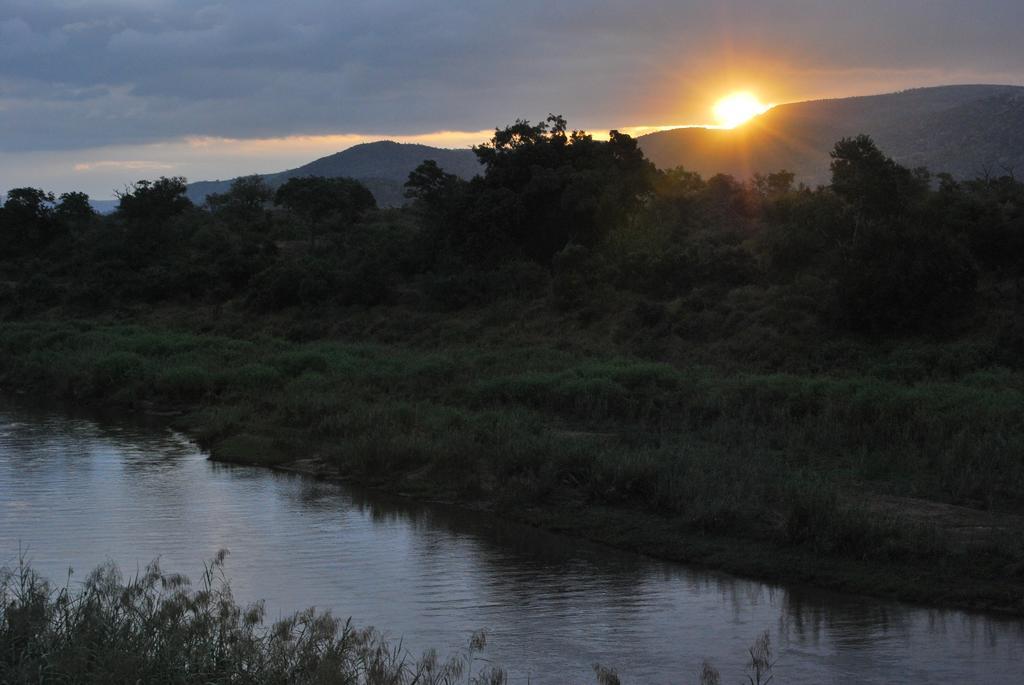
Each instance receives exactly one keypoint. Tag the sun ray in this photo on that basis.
(738, 108)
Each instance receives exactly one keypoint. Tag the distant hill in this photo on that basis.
(963, 130)
(383, 167)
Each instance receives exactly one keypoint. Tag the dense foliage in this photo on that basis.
(156, 628)
(882, 250)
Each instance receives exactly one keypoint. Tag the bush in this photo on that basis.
(118, 369)
(183, 383)
(296, 362)
(154, 628)
(39, 290)
(292, 284)
(904, 278)
(579, 276)
(254, 377)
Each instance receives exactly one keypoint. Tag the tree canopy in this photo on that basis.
(318, 199)
(882, 250)
(152, 202)
(543, 188)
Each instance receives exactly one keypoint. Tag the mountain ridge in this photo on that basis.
(966, 130)
(383, 166)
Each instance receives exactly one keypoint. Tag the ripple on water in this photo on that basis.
(78, 492)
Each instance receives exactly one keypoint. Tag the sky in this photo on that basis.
(95, 94)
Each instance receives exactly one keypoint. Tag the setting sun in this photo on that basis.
(738, 108)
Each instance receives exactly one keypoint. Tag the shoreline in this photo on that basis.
(637, 532)
(634, 531)
(680, 464)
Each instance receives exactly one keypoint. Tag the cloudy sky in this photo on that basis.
(96, 93)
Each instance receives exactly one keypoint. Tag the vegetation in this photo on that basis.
(817, 384)
(156, 628)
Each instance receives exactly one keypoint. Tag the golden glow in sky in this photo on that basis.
(101, 171)
(737, 108)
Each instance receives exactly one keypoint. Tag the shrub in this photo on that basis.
(183, 383)
(898, 277)
(118, 369)
(154, 628)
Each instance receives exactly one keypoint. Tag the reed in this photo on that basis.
(156, 627)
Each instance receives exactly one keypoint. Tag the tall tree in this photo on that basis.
(244, 200)
(557, 187)
(74, 209)
(874, 184)
(26, 221)
(153, 201)
(325, 203)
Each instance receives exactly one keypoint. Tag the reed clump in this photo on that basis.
(155, 627)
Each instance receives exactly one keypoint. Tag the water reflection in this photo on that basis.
(80, 491)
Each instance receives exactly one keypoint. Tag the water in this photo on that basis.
(78, 492)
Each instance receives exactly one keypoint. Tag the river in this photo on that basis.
(78, 491)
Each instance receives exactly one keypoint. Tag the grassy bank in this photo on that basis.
(830, 479)
(156, 627)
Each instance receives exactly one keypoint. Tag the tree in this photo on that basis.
(557, 187)
(244, 200)
(875, 185)
(26, 220)
(430, 185)
(74, 209)
(318, 200)
(29, 203)
(153, 201)
(775, 185)
(990, 213)
(900, 277)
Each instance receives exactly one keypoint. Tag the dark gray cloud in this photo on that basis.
(78, 73)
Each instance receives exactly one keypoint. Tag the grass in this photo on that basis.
(156, 627)
(785, 467)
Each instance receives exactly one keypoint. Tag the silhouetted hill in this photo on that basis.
(383, 166)
(963, 130)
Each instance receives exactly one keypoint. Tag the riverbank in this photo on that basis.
(157, 626)
(671, 539)
(829, 480)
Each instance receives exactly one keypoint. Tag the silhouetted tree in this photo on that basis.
(153, 201)
(542, 188)
(27, 221)
(875, 185)
(430, 184)
(29, 204)
(74, 209)
(775, 184)
(244, 200)
(325, 203)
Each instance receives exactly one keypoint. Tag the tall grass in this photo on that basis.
(155, 627)
(786, 458)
